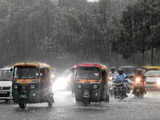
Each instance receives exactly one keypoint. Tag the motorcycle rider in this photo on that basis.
(113, 70)
(139, 76)
(113, 73)
(122, 76)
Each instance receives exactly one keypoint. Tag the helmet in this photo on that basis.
(139, 71)
(120, 71)
(113, 69)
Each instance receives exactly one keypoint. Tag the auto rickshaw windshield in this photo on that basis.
(88, 73)
(26, 72)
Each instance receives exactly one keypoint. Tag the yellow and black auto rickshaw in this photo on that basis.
(32, 84)
(90, 83)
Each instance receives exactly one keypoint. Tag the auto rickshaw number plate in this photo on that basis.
(26, 81)
(137, 90)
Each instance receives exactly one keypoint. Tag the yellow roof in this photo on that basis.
(151, 67)
(41, 65)
(104, 67)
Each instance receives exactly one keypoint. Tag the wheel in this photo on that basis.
(50, 101)
(107, 98)
(86, 102)
(116, 94)
(22, 105)
(50, 104)
(7, 101)
(77, 100)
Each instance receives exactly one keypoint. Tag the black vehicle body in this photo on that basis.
(139, 86)
(119, 90)
(139, 91)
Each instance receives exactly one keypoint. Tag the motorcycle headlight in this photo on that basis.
(138, 80)
(110, 78)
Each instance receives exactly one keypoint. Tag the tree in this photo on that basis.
(140, 22)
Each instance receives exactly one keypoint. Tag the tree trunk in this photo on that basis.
(143, 55)
(152, 55)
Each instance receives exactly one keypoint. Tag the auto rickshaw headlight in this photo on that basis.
(34, 94)
(33, 86)
(95, 86)
(79, 86)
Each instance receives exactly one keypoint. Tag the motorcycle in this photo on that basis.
(119, 89)
(138, 88)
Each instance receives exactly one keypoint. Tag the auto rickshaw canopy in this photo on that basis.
(39, 65)
(151, 67)
(100, 66)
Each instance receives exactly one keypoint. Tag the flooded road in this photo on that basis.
(65, 108)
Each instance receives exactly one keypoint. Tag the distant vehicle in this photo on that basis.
(152, 79)
(5, 84)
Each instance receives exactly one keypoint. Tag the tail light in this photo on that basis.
(158, 83)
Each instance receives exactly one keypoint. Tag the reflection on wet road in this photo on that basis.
(65, 108)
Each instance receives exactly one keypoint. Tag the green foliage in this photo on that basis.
(71, 31)
(140, 28)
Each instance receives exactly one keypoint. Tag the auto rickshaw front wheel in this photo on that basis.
(7, 101)
(50, 104)
(50, 101)
(107, 98)
(86, 102)
(22, 105)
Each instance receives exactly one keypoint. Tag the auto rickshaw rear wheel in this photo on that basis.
(50, 104)
(7, 101)
(86, 102)
(22, 105)
(50, 101)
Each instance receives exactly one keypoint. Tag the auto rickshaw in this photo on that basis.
(90, 83)
(32, 84)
